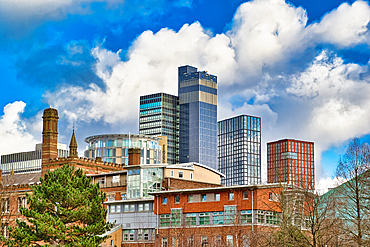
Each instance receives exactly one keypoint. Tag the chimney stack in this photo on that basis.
(50, 135)
(134, 156)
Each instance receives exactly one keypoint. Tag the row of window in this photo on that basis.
(205, 241)
(5, 204)
(229, 216)
(138, 235)
(130, 208)
(206, 197)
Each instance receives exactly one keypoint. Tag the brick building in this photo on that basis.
(222, 216)
(291, 161)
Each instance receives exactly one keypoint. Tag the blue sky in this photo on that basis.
(303, 66)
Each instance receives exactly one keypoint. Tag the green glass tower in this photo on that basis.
(159, 116)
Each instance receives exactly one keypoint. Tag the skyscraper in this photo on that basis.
(198, 116)
(291, 161)
(239, 150)
(159, 116)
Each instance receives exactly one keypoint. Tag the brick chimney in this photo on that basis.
(50, 134)
(134, 156)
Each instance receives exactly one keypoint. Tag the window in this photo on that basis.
(191, 219)
(231, 196)
(131, 235)
(127, 206)
(146, 234)
(260, 216)
(141, 207)
(22, 202)
(204, 219)
(271, 218)
(111, 242)
(191, 241)
(190, 198)
(246, 216)
(230, 214)
(245, 241)
(177, 199)
(218, 240)
(229, 240)
(146, 207)
(204, 241)
(112, 208)
(273, 197)
(172, 173)
(140, 234)
(164, 200)
(204, 197)
(110, 198)
(176, 214)
(217, 197)
(125, 235)
(181, 174)
(164, 220)
(101, 181)
(174, 242)
(118, 208)
(217, 218)
(191, 176)
(245, 195)
(5, 205)
(115, 179)
(164, 242)
(132, 208)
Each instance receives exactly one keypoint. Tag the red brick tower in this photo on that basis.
(50, 135)
(73, 146)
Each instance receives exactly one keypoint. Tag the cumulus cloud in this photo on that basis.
(327, 183)
(268, 58)
(13, 131)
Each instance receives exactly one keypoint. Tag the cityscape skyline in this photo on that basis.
(304, 72)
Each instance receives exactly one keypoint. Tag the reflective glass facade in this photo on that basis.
(291, 161)
(114, 148)
(198, 116)
(143, 180)
(159, 116)
(239, 150)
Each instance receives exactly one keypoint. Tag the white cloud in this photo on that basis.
(327, 183)
(345, 26)
(13, 131)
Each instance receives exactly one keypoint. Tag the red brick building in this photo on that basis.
(220, 216)
(291, 161)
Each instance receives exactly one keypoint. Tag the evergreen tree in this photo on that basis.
(64, 210)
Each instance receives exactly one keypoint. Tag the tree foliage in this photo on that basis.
(65, 210)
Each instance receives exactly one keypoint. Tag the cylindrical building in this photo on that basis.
(114, 148)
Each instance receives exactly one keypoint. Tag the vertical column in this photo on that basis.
(49, 134)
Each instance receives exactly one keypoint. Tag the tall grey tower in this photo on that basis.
(198, 116)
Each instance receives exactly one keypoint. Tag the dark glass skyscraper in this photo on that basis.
(159, 116)
(198, 116)
(239, 150)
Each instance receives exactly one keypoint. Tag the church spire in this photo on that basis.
(73, 145)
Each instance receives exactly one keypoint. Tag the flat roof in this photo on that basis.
(115, 136)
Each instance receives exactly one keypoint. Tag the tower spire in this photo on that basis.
(73, 145)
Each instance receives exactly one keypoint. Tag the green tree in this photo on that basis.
(64, 210)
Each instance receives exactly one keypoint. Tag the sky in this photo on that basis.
(302, 66)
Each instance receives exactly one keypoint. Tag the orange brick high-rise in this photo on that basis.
(291, 161)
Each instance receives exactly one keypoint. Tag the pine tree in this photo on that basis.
(64, 210)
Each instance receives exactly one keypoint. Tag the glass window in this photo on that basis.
(190, 198)
(112, 208)
(164, 242)
(176, 214)
(132, 208)
(164, 200)
(177, 199)
(125, 235)
(204, 241)
(204, 219)
(132, 235)
(191, 219)
(218, 240)
(229, 240)
(141, 207)
(246, 216)
(230, 214)
(164, 220)
(181, 174)
(231, 196)
(217, 218)
(245, 195)
(146, 206)
(217, 197)
(127, 206)
(191, 176)
(172, 173)
(118, 208)
(204, 197)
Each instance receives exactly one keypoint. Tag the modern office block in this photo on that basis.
(28, 162)
(114, 148)
(291, 161)
(239, 150)
(159, 116)
(198, 116)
